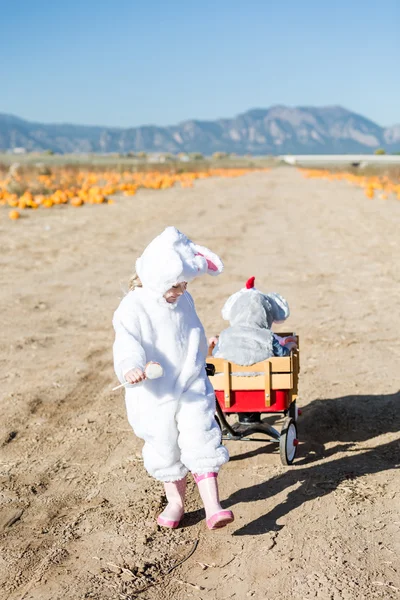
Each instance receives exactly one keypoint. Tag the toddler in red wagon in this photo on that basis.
(249, 339)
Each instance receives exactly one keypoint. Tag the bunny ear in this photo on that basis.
(214, 263)
(280, 307)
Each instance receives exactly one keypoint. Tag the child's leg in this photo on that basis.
(153, 420)
(216, 516)
(201, 448)
(173, 512)
(199, 435)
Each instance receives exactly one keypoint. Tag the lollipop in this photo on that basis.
(152, 370)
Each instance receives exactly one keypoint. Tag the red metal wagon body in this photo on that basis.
(254, 401)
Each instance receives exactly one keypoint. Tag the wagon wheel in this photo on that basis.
(293, 411)
(288, 441)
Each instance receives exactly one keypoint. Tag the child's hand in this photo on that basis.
(285, 340)
(213, 341)
(291, 346)
(135, 376)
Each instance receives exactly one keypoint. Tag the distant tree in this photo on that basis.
(380, 151)
(142, 154)
(48, 152)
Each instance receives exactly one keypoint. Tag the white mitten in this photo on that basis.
(153, 370)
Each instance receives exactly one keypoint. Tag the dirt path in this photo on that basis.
(77, 508)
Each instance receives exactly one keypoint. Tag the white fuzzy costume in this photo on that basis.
(174, 415)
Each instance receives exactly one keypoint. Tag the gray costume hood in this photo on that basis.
(250, 313)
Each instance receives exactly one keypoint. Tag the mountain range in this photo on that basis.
(276, 130)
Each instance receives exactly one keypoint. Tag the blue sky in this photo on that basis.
(129, 63)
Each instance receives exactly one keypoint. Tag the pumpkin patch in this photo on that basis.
(382, 186)
(28, 189)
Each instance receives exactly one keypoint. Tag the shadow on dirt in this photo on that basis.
(347, 420)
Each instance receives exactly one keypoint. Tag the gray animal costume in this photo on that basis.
(249, 338)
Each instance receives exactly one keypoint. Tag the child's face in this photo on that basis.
(173, 293)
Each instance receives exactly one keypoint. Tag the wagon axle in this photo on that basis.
(287, 438)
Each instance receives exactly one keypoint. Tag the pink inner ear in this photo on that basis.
(210, 264)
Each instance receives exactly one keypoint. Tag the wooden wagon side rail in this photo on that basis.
(276, 373)
(276, 376)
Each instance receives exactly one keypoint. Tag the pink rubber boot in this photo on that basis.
(216, 516)
(173, 512)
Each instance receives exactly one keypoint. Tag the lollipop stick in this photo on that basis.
(120, 386)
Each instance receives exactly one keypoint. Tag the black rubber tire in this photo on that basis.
(287, 454)
(292, 411)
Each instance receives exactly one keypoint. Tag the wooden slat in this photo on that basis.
(278, 373)
(227, 383)
(279, 381)
(278, 365)
(267, 385)
(296, 369)
(217, 362)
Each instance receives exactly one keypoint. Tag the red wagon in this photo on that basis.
(270, 386)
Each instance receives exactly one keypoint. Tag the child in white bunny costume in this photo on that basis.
(174, 414)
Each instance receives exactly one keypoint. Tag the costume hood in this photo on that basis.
(172, 258)
(250, 313)
(252, 307)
